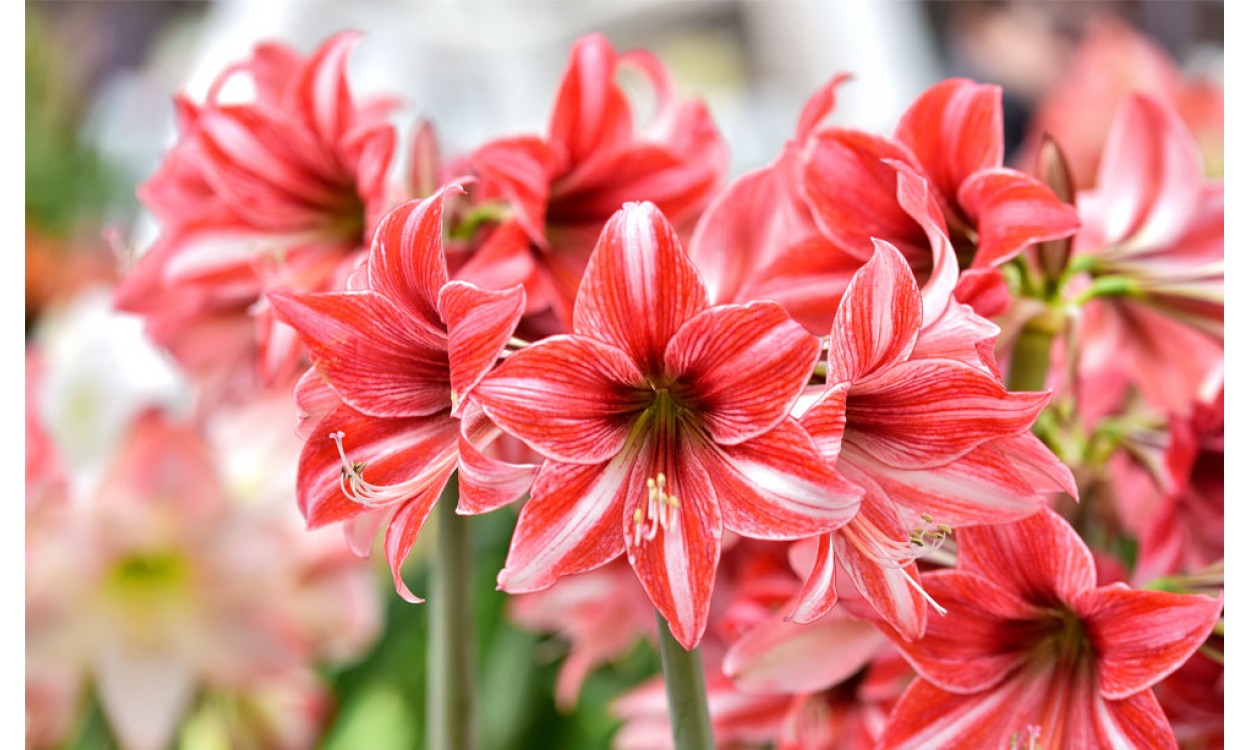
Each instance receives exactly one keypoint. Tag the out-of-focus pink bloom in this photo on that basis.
(1153, 237)
(798, 229)
(46, 481)
(664, 421)
(159, 585)
(278, 192)
(738, 719)
(1168, 488)
(1193, 700)
(1030, 647)
(1113, 62)
(394, 367)
(561, 189)
(915, 413)
(602, 613)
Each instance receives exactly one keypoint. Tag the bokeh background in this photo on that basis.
(99, 79)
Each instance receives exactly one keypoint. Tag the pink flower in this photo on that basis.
(561, 189)
(1031, 647)
(664, 421)
(1153, 237)
(915, 412)
(797, 230)
(1113, 62)
(394, 365)
(738, 719)
(278, 192)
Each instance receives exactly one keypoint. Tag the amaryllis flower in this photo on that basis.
(276, 192)
(795, 231)
(397, 361)
(1031, 647)
(664, 420)
(161, 585)
(915, 413)
(1153, 241)
(738, 719)
(562, 188)
(1115, 60)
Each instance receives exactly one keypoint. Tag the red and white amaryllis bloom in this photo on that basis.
(276, 192)
(1030, 647)
(664, 420)
(398, 360)
(561, 189)
(1153, 240)
(798, 229)
(915, 413)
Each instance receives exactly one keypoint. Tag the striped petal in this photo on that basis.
(955, 128)
(741, 368)
(1040, 558)
(479, 324)
(1011, 211)
(879, 318)
(406, 261)
(639, 287)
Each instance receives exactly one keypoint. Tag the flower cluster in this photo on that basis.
(776, 411)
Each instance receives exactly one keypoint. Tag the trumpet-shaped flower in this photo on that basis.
(276, 192)
(562, 188)
(1032, 648)
(664, 420)
(397, 362)
(915, 413)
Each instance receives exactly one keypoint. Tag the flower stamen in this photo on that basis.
(358, 490)
(659, 512)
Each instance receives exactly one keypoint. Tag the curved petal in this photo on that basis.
(407, 454)
(591, 112)
(370, 352)
(778, 486)
(677, 566)
(487, 483)
(571, 523)
(879, 318)
(521, 169)
(818, 106)
(404, 527)
(639, 287)
(570, 398)
(954, 128)
(786, 657)
(740, 368)
(1011, 211)
(929, 412)
(918, 200)
(985, 635)
(1040, 558)
(1143, 636)
(406, 261)
(325, 101)
(825, 421)
(819, 593)
(479, 324)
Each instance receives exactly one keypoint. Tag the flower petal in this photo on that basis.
(571, 523)
(406, 261)
(926, 413)
(1040, 558)
(1011, 211)
(404, 527)
(786, 657)
(741, 368)
(778, 486)
(411, 453)
(591, 112)
(479, 324)
(639, 286)
(954, 128)
(879, 317)
(920, 203)
(819, 593)
(678, 566)
(487, 483)
(1143, 636)
(521, 170)
(371, 353)
(570, 398)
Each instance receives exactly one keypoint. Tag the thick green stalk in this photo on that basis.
(687, 694)
(1030, 359)
(449, 663)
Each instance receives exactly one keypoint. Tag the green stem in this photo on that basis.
(1030, 360)
(449, 686)
(687, 695)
